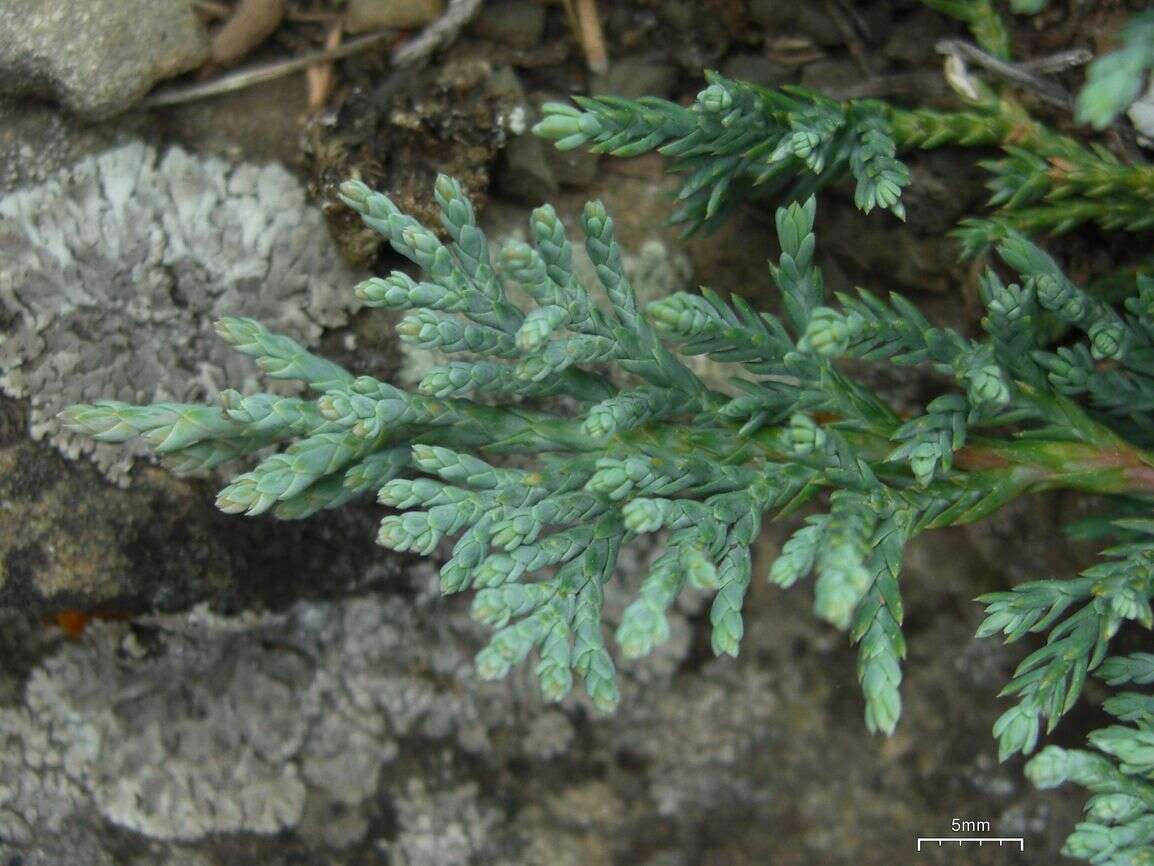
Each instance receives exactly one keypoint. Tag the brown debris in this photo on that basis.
(250, 24)
(592, 36)
(398, 130)
(319, 79)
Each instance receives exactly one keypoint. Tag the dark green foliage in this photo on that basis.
(738, 137)
(739, 140)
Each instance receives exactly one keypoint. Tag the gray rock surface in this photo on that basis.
(115, 270)
(196, 725)
(516, 23)
(356, 732)
(634, 78)
(186, 727)
(366, 15)
(71, 541)
(39, 140)
(757, 69)
(98, 57)
(525, 173)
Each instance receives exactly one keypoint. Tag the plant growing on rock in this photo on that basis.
(596, 464)
(668, 452)
(739, 139)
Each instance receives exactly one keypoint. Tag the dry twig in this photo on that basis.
(1020, 74)
(438, 34)
(253, 75)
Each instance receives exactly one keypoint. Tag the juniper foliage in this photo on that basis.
(739, 137)
(1092, 390)
(670, 454)
(527, 467)
(1119, 821)
(1115, 79)
(739, 140)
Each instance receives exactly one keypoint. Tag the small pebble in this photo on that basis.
(518, 24)
(366, 15)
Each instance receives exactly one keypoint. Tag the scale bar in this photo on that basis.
(962, 840)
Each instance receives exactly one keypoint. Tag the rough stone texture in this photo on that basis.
(575, 168)
(524, 172)
(115, 270)
(872, 244)
(100, 56)
(757, 69)
(440, 826)
(39, 140)
(73, 845)
(197, 725)
(68, 540)
(355, 732)
(263, 123)
(183, 727)
(516, 23)
(532, 170)
(635, 78)
(365, 15)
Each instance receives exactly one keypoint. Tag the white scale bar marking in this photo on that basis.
(1020, 842)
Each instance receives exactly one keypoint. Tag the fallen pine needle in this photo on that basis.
(320, 77)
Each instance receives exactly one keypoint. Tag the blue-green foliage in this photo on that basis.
(1118, 829)
(738, 138)
(739, 141)
(1094, 389)
(1114, 80)
(1079, 616)
(659, 450)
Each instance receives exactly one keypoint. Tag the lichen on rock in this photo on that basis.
(114, 271)
(443, 826)
(176, 746)
(187, 726)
